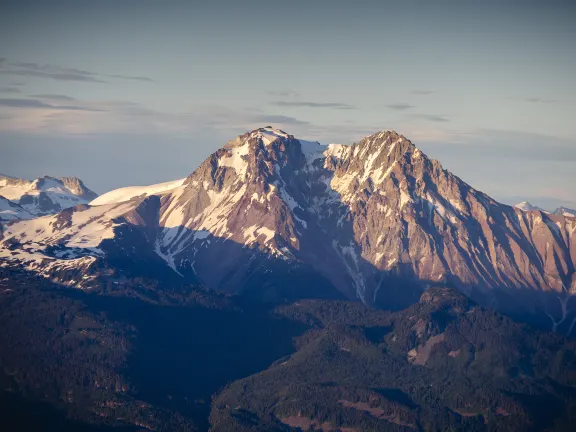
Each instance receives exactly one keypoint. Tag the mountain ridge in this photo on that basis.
(377, 220)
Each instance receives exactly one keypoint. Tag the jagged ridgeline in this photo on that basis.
(273, 217)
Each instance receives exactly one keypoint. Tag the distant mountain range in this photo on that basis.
(562, 211)
(273, 217)
(25, 199)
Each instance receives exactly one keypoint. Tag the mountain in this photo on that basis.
(281, 218)
(564, 211)
(45, 195)
(526, 206)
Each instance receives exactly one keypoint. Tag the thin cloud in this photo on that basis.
(284, 93)
(60, 73)
(54, 97)
(423, 92)
(9, 90)
(400, 106)
(430, 117)
(129, 77)
(38, 104)
(333, 105)
(278, 119)
(539, 100)
(55, 75)
(506, 144)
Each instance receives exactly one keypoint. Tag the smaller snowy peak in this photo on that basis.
(12, 181)
(527, 206)
(565, 211)
(129, 192)
(15, 188)
(45, 195)
(77, 187)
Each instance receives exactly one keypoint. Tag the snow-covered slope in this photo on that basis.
(11, 211)
(127, 193)
(82, 244)
(45, 195)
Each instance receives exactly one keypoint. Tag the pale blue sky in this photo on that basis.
(136, 92)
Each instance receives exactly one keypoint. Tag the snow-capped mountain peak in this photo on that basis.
(527, 206)
(45, 195)
(565, 211)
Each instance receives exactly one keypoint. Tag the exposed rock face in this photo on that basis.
(379, 221)
(45, 195)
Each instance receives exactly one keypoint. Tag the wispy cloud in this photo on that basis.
(50, 115)
(423, 92)
(539, 100)
(9, 90)
(278, 119)
(54, 97)
(400, 106)
(48, 71)
(504, 145)
(283, 93)
(129, 77)
(304, 104)
(58, 73)
(430, 117)
(38, 104)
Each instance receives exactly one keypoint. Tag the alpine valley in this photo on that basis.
(287, 285)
